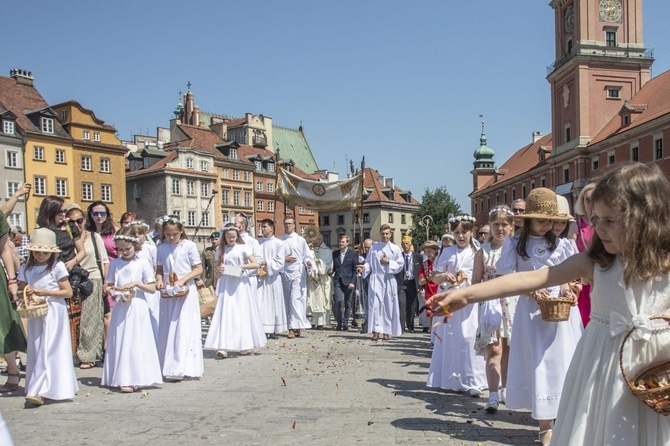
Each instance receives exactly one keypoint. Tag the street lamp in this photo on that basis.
(426, 221)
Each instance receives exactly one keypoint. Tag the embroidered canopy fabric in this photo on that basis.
(322, 196)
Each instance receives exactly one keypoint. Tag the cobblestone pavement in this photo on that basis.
(325, 388)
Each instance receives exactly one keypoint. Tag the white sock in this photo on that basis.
(493, 396)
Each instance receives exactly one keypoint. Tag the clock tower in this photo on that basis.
(600, 62)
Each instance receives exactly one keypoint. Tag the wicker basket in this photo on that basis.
(556, 309)
(31, 308)
(124, 294)
(172, 290)
(651, 385)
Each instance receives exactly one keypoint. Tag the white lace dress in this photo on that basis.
(597, 408)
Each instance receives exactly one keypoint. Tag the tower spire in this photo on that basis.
(484, 154)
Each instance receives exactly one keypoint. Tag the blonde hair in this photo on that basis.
(579, 205)
(638, 193)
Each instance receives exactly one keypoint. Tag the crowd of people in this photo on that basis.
(129, 299)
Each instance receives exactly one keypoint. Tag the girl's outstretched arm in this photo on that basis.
(576, 266)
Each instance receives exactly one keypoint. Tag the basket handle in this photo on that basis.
(27, 290)
(623, 343)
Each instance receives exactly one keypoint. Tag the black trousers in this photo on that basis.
(407, 300)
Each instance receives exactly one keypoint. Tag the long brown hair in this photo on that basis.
(639, 193)
(525, 235)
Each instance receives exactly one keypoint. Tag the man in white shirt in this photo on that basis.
(298, 259)
(270, 288)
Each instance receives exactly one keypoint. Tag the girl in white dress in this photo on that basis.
(454, 365)
(50, 371)
(540, 351)
(147, 250)
(236, 325)
(493, 342)
(131, 360)
(179, 327)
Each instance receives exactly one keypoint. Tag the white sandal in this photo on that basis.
(543, 433)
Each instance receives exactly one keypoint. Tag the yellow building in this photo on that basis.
(98, 158)
(47, 150)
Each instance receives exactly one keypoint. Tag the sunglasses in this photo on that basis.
(78, 221)
(62, 211)
(99, 214)
(483, 233)
(518, 211)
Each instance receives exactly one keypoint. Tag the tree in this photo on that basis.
(440, 205)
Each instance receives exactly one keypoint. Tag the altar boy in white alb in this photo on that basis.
(381, 264)
(298, 259)
(270, 288)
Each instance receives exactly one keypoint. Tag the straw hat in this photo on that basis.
(542, 204)
(43, 240)
(564, 207)
(430, 244)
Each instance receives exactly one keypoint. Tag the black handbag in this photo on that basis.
(82, 287)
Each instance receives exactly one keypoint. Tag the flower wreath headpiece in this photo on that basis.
(127, 238)
(138, 222)
(172, 219)
(464, 217)
(500, 209)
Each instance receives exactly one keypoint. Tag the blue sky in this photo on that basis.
(402, 83)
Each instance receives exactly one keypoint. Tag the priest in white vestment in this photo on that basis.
(319, 285)
(270, 288)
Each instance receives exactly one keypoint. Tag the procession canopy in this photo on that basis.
(322, 196)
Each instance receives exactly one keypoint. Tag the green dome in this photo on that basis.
(483, 151)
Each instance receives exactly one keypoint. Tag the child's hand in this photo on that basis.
(539, 294)
(180, 283)
(130, 285)
(37, 292)
(159, 284)
(221, 269)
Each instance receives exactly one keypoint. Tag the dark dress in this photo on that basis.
(11, 329)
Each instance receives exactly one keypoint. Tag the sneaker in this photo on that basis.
(491, 406)
(475, 392)
(222, 354)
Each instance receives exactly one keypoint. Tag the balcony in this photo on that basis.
(259, 141)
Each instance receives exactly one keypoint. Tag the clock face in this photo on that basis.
(569, 19)
(610, 10)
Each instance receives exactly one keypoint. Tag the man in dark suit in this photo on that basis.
(344, 281)
(408, 285)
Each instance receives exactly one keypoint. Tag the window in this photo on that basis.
(247, 199)
(658, 149)
(567, 136)
(287, 209)
(366, 218)
(611, 158)
(225, 197)
(309, 211)
(189, 163)
(302, 209)
(259, 186)
(236, 175)
(271, 187)
(236, 198)
(106, 192)
(177, 214)
(204, 189)
(8, 127)
(205, 219)
(87, 191)
(47, 125)
(271, 167)
(543, 183)
(614, 93)
(12, 159)
(390, 217)
(595, 164)
(191, 218)
(38, 153)
(233, 154)
(635, 154)
(610, 38)
(225, 173)
(60, 156)
(566, 174)
(271, 206)
(258, 165)
(40, 186)
(15, 220)
(63, 115)
(86, 135)
(523, 194)
(340, 219)
(104, 165)
(61, 187)
(12, 187)
(247, 176)
(190, 188)
(96, 136)
(176, 187)
(325, 220)
(403, 219)
(204, 166)
(259, 206)
(86, 163)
